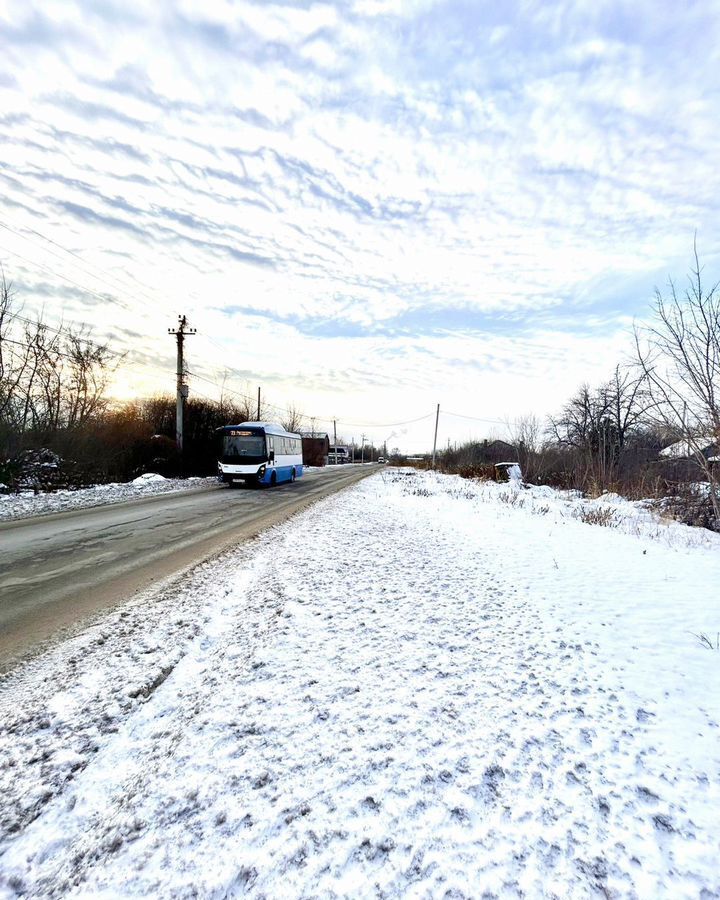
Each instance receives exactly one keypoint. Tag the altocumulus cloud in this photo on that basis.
(473, 197)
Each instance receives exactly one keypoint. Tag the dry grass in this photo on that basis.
(512, 498)
(706, 641)
(600, 515)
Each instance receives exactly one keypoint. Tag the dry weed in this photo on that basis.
(600, 515)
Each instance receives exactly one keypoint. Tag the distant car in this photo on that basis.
(381, 459)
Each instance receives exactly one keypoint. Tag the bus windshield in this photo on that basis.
(236, 444)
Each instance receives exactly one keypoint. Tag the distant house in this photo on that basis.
(685, 450)
(496, 452)
(678, 462)
(315, 448)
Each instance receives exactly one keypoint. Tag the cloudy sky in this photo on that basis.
(366, 206)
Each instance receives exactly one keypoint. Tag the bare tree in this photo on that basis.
(627, 392)
(50, 379)
(597, 424)
(12, 362)
(584, 426)
(22, 353)
(526, 434)
(294, 419)
(679, 355)
(87, 370)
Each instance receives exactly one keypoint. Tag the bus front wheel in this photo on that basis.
(273, 480)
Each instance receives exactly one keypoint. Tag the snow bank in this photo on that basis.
(472, 696)
(149, 478)
(27, 503)
(642, 518)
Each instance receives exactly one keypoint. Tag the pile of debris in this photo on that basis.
(40, 470)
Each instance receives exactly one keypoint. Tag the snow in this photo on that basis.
(477, 694)
(149, 478)
(27, 503)
(514, 473)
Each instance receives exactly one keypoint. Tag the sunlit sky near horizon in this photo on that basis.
(367, 207)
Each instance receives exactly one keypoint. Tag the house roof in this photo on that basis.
(685, 448)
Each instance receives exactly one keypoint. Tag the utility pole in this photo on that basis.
(258, 414)
(182, 391)
(437, 419)
(362, 449)
(335, 441)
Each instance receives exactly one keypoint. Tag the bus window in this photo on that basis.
(243, 445)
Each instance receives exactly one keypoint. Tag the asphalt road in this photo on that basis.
(59, 570)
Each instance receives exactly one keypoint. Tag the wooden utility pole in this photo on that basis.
(362, 449)
(180, 334)
(258, 411)
(335, 441)
(437, 419)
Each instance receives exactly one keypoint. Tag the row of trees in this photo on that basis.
(50, 379)
(53, 395)
(609, 437)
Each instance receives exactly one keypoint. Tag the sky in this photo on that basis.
(367, 207)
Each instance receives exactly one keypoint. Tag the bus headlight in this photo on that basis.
(261, 472)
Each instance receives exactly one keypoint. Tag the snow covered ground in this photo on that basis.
(27, 503)
(420, 687)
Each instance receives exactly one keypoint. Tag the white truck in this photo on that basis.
(339, 456)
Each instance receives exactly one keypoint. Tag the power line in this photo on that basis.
(246, 397)
(125, 364)
(106, 298)
(145, 369)
(327, 419)
(62, 332)
(272, 406)
(385, 424)
(319, 418)
(473, 418)
(250, 400)
(53, 351)
(125, 285)
(112, 299)
(116, 282)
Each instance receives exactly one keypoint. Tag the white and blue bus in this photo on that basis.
(259, 453)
